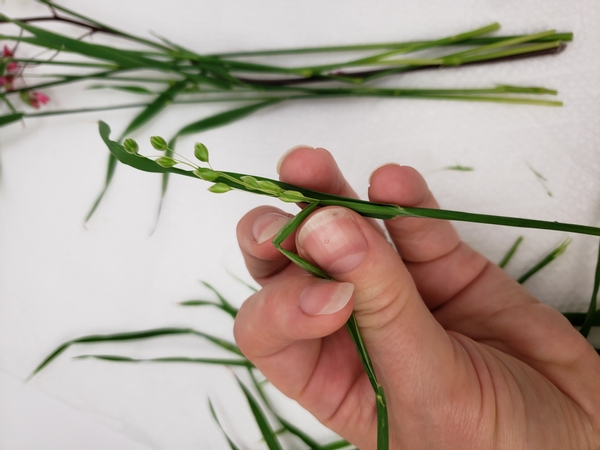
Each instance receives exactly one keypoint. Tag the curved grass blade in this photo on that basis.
(368, 209)
(511, 252)
(267, 432)
(134, 335)
(171, 359)
(545, 261)
(226, 305)
(289, 427)
(232, 446)
(592, 313)
(125, 88)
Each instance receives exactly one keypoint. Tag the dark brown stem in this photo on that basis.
(369, 73)
(57, 18)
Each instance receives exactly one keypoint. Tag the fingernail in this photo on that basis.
(287, 152)
(325, 297)
(333, 240)
(267, 226)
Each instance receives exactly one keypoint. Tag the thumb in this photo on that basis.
(404, 340)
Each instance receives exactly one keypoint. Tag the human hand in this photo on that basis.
(468, 359)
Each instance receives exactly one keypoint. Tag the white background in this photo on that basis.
(60, 279)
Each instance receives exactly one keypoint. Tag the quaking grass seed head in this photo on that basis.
(131, 146)
(201, 152)
(158, 143)
(206, 174)
(166, 162)
(219, 188)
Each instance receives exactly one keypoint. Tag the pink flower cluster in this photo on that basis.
(9, 72)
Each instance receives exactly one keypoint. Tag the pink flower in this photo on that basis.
(12, 67)
(7, 52)
(6, 82)
(34, 99)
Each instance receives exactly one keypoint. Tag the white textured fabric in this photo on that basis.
(60, 280)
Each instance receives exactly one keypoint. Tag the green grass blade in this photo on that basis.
(102, 25)
(226, 305)
(577, 319)
(110, 171)
(171, 359)
(337, 445)
(224, 118)
(134, 335)
(592, 313)
(232, 446)
(511, 252)
(10, 118)
(266, 430)
(368, 209)
(154, 108)
(289, 427)
(545, 261)
(134, 89)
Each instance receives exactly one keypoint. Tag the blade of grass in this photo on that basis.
(369, 209)
(135, 335)
(511, 252)
(171, 359)
(591, 314)
(545, 261)
(10, 118)
(232, 446)
(227, 306)
(289, 427)
(266, 430)
(577, 319)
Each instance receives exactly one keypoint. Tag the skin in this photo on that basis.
(467, 357)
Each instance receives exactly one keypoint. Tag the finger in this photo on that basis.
(255, 232)
(291, 330)
(471, 296)
(313, 168)
(406, 343)
(439, 262)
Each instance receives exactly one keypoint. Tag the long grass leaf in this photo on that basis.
(171, 359)
(232, 446)
(368, 209)
(555, 253)
(10, 118)
(291, 428)
(511, 252)
(267, 432)
(592, 313)
(134, 335)
(111, 166)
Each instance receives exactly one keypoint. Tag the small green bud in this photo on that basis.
(131, 146)
(165, 161)
(206, 174)
(158, 143)
(201, 152)
(270, 187)
(292, 197)
(219, 188)
(250, 182)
